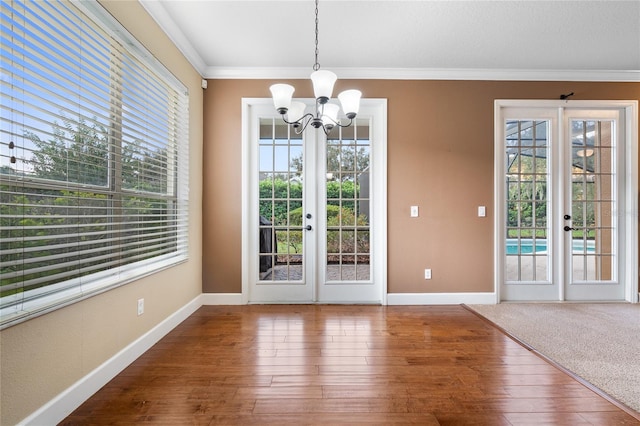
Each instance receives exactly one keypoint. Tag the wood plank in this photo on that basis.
(326, 364)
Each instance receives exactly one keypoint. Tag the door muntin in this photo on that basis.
(347, 256)
(593, 202)
(527, 154)
(330, 185)
(562, 189)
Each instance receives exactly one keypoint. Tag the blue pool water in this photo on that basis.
(526, 246)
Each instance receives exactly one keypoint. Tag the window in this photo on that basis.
(93, 157)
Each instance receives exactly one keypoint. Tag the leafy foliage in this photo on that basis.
(353, 235)
(51, 231)
(144, 169)
(78, 155)
(527, 200)
(278, 197)
(344, 161)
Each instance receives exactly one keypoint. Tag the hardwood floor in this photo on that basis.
(328, 364)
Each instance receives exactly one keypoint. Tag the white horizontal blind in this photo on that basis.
(93, 157)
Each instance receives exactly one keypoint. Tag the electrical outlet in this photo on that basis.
(140, 306)
(414, 211)
(427, 274)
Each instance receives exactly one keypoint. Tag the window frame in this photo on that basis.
(29, 303)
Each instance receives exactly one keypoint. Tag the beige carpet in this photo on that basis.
(600, 342)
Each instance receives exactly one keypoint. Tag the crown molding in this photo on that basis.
(159, 14)
(429, 74)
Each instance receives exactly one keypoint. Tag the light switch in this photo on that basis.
(482, 211)
(414, 211)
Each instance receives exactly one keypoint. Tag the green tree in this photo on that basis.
(345, 192)
(144, 169)
(278, 197)
(77, 153)
(527, 193)
(343, 161)
(347, 159)
(40, 218)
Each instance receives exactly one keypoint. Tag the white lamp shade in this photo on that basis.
(323, 82)
(296, 111)
(330, 114)
(350, 100)
(282, 94)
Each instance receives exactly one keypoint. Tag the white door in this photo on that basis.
(564, 210)
(316, 209)
(594, 179)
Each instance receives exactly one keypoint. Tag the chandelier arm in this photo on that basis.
(299, 129)
(337, 123)
(345, 125)
(302, 123)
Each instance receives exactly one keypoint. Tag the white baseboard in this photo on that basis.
(222, 299)
(71, 398)
(392, 299)
(441, 298)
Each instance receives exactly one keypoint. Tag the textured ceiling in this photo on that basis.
(527, 39)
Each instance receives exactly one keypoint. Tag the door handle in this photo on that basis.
(568, 228)
(308, 228)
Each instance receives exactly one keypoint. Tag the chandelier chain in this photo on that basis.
(326, 114)
(316, 65)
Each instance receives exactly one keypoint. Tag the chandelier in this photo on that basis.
(326, 113)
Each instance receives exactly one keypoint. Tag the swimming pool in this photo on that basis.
(526, 246)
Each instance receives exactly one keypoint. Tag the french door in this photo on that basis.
(564, 221)
(315, 207)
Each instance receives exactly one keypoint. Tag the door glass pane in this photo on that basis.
(348, 203)
(280, 202)
(527, 202)
(592, 200)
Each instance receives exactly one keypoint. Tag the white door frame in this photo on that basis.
(630, 216)
(378, 161)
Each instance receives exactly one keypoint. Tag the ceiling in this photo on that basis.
(418, 39)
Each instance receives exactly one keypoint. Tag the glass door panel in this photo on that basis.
(347, 207)
(280, 203)
(592, 239)
(527, 228)
(347, 273)
(281, 270)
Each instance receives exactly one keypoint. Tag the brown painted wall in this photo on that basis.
(43, 357)
(440, 157)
